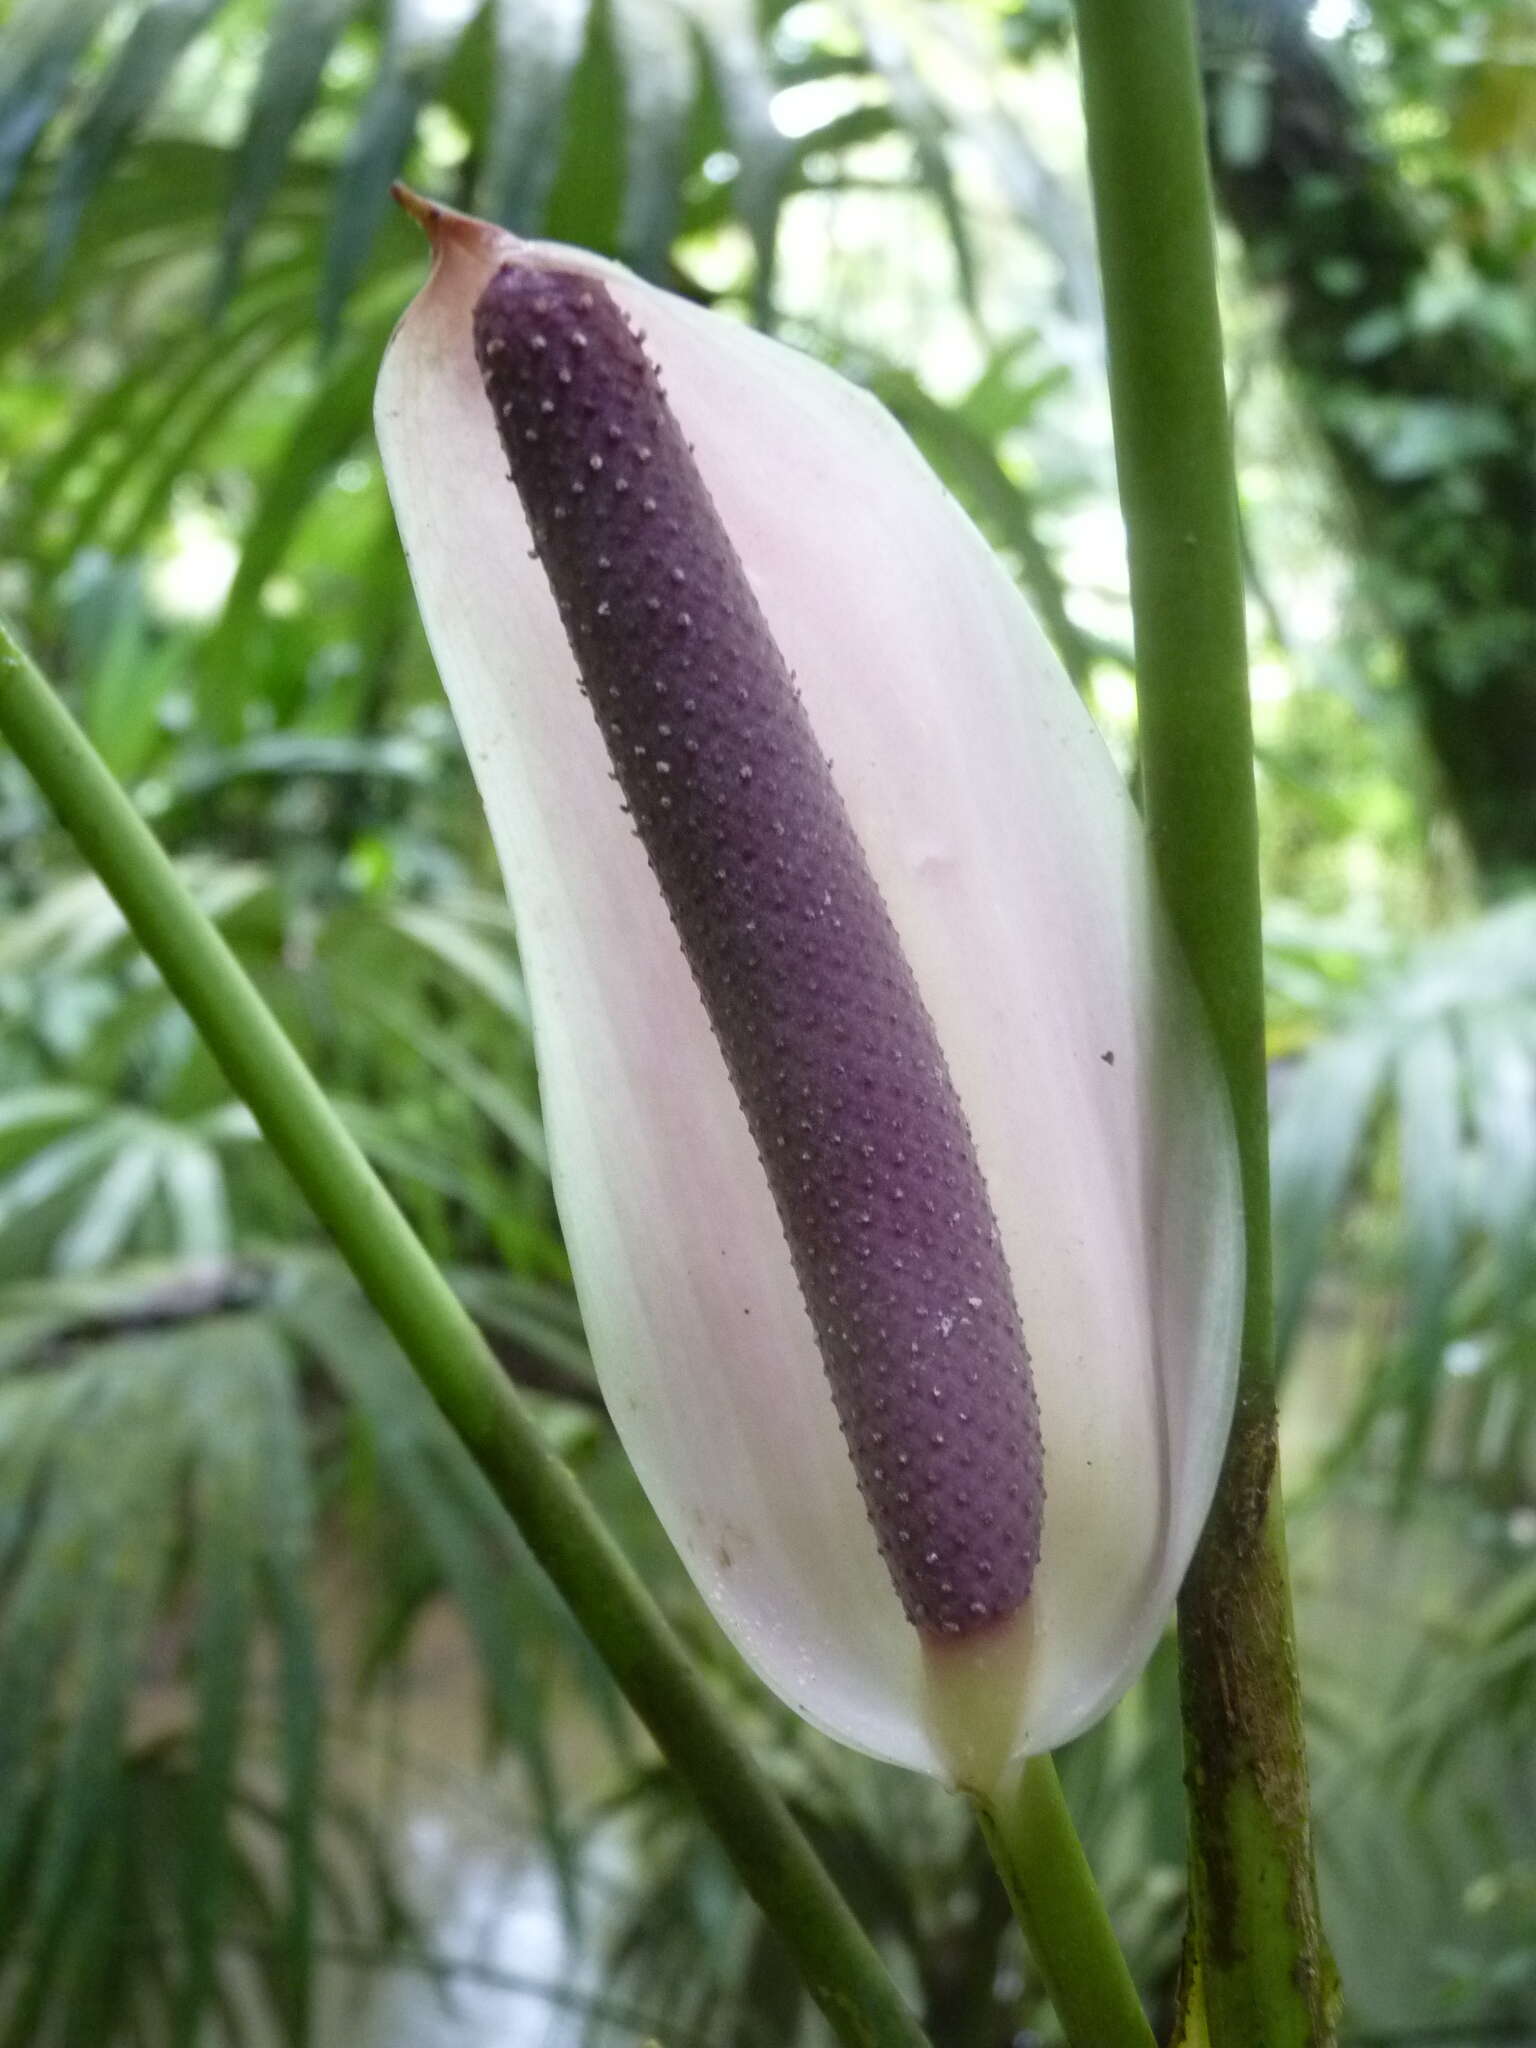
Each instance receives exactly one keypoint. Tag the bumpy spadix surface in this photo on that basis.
(1012, 866)
(861, 1136)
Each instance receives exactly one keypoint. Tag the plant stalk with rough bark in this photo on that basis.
(1256, 1966)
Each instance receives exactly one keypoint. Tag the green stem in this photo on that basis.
(776, 1864)
(1262, 1965)
(1056, 1902)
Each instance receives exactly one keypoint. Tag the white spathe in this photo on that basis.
(1015, 870)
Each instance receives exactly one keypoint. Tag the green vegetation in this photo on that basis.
(238, 1548)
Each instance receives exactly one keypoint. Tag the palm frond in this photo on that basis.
(124, 98)
(164, 1447)
(1440, 1052)
(41, 45)
(437, 1080)
(538, 46)
(419, 40)
(967, 440)
(457, 1521)
(1420, 1727)
(613, 125)
(300, 39)
(130, 1474)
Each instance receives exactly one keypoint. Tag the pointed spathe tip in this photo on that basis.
(440, 224)
(449, 231)
(420, 209)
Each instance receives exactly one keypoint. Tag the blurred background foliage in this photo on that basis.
(295, 1745)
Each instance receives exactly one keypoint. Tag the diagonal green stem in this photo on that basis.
(1056, 1902)
(1257, 1951)
(776, 1864)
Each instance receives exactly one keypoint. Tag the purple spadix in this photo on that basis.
(834, 1057)
(864, 1051)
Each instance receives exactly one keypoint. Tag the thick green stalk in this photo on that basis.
(1262, 1966)
(1056, 1902)
(776, 1864)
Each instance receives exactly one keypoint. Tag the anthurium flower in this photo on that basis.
(893, 1160)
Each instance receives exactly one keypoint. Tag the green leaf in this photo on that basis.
(421, 37)
(730, 36)
(288, 1510)
(38, 52)
(53, 1169)
(1319, 1132)
(39, 1555)
(207, 1466)
(159, 439)
(658, 80)
(108, 1218)
(107, 1530)
(300, 38)
(99, 426)
(240, 371)
(410, 1159)
(455, 1512)
(538, 46)
(227, 1506)
(25, 1109)
(76, 923)
(195, 1193)
(328, 428)
(442, 933)
(126, 95)
(285, 756)
(125, 690)
(1430, 1123)
(922, 119)
(966, 457)
(489, 1093)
